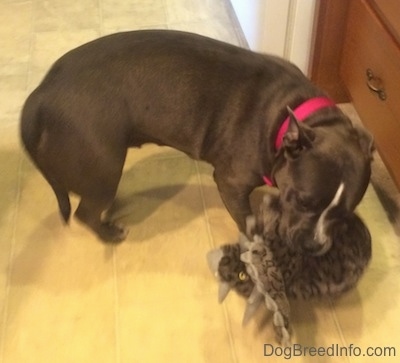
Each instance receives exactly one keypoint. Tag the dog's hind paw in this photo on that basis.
(112, 232)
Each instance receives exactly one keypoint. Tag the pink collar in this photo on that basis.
(301, 112)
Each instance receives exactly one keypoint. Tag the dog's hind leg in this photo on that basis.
(98, 186)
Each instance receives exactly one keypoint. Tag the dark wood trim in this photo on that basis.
(329, 32)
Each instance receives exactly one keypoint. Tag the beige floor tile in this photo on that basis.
(12, 95)
(10, 156)
(16, 24)
(167, 304)
(11, 102)
(160, 201)
(183, 11)
(9, 177)
(386, 244)
(129, 15)
(13, 81)
(222, 30)
(15, 53)
(159, 196)
(71, 16)
(370, 315)
(313, 326)
(19, 14)
(157, 183)
(149, 152)
(174, 329)
(47, 324)
(167, 298)
(127, 27)
(61, 299)
(50, 46)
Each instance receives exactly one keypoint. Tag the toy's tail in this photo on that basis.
(33, 137)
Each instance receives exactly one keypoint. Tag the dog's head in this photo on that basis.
(322, 173)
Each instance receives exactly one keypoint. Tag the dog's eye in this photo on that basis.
(243, 276)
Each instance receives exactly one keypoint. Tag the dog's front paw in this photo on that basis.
(112, 232)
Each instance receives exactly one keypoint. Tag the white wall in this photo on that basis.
(280, 27)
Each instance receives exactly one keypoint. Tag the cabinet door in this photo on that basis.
(389, 12)
(371, 59)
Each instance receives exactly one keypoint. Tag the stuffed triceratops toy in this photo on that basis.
(268, 269)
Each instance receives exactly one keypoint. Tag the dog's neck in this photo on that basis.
(302, 112)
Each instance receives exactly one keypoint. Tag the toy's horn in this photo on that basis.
(223, 291)
(250, 225)
(253, 303)
(213, 259)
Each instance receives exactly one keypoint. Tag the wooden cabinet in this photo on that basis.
(369, 68)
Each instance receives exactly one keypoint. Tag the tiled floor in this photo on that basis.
(66, 297)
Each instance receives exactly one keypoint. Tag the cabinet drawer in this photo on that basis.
(368, 45)
(389, 13)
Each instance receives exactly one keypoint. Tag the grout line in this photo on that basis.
(4, 317)
(228, 326)
(116, 308)
(31, 48)
(101, 17)
(240, 37)
(165, 8)
(212, 243)
(287, 52)
(337, 324)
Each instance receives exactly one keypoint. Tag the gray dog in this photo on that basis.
(215, 102)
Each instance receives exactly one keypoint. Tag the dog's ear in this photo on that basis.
(297, 137)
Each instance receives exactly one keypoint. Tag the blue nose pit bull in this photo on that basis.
(213, 101)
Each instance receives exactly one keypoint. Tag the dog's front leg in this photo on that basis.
(236, 200)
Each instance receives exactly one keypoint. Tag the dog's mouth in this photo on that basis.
(305, 232)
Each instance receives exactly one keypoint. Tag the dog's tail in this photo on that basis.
(33, 138)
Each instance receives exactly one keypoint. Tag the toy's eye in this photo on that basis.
(243, 276)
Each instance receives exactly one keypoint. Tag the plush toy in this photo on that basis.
(268, 269)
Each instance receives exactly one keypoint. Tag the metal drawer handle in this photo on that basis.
(375, 84)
